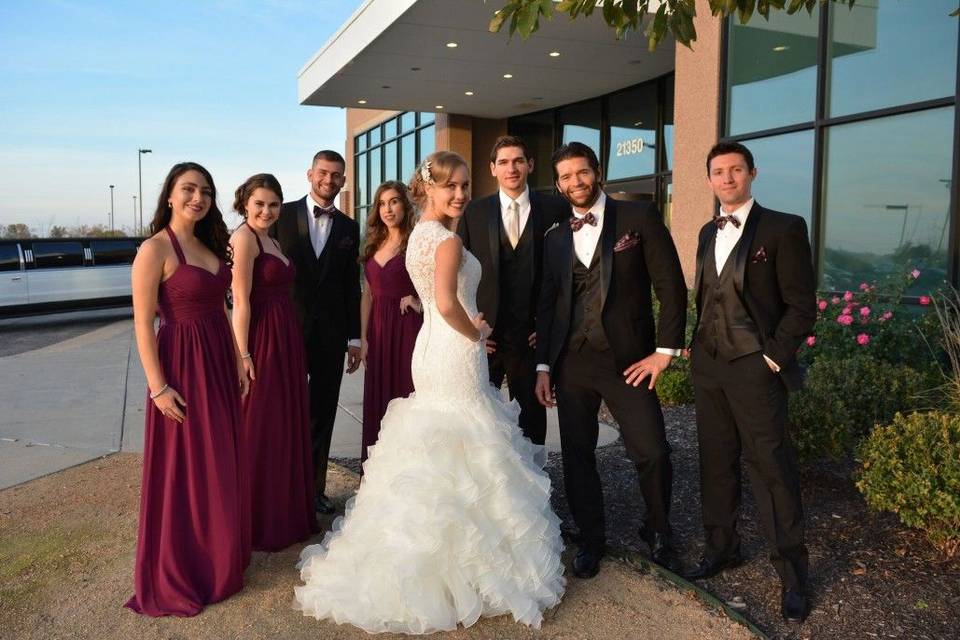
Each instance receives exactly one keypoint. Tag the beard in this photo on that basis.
(586, 200)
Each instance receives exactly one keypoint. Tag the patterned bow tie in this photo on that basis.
(721, 221)
(320, 211)
(577, 223)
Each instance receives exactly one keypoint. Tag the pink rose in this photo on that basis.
(864, 286)
(887, 315)
(835, 300)
(864, 311)
(848, 296)
(925, 300)
(822, 304)
(845, 320)
(915, 273)
(811, 340)
(863, 339)
(848, 309)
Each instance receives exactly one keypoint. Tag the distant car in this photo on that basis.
(47, 275)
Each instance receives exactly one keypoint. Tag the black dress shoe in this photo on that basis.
(709, 568)
(324, 505)
(793, 606)
(586, 563)
(661, 547)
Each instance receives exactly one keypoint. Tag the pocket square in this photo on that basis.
(628, 240)
(760, 255)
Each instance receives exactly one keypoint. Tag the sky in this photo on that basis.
(84, 84)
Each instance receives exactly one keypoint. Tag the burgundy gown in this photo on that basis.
(276, 412)
(390, 340)
(193, 538)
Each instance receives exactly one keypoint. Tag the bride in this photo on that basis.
(452, 520)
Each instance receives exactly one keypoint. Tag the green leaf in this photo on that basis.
(746, 10)
(497, 22)
(528, 20)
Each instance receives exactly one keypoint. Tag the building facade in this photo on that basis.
(851, 116)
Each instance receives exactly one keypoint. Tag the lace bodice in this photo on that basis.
(446, 364)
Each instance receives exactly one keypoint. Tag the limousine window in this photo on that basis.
(113, 251)
(9, 258)
(57, 254)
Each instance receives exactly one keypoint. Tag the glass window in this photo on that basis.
(891, 52)
(390, 128)
(362, 189)
(784, 172)
(886, 200)
(428, 141)
(57, 254)
(390, 161)
(376, 174)
(375, 136)
(426, 117)
(536, 130)
(408, 121)
(666, 200)
(9, 257)
(408, 156)
(668, 123)
(113, 251)
(581, 123)
(360, 143)
(633, 128)
(772, 71)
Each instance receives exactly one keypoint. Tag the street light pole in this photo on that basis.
(140, 153)
(111, 208)
(134, 215)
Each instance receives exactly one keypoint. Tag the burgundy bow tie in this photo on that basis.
(320, 211)
(577, 223)
(721, 221)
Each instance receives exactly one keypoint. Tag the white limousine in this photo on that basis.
(48, 275)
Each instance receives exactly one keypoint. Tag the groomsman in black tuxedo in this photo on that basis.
(756, 302)
(596, 340)
(324, 245)
(505, 232)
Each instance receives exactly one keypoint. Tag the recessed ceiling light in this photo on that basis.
(468, 93)
(638, 123)
(508, 75)
(780, 48)
(361, 102)
(554, 54)
(438, 107)
(384, 86)
(452, 45)
(414, 68)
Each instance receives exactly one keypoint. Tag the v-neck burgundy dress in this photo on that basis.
(276, 412)
(193, 539)
(390, 340)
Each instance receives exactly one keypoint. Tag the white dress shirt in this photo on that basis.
(523, 202)
(319, 227)
(585, 243)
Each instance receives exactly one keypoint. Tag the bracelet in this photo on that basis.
(159, 392)
(244, 356)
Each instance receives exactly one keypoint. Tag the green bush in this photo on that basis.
(912, 468)
(675, 386)
(843, 399)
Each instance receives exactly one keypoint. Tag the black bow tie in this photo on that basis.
(721, 221)
(320, 211)
(577, 223)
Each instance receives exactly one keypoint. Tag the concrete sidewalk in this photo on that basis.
(84, 398)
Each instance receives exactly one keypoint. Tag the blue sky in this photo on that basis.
(84, 84)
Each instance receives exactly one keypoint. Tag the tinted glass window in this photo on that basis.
(633, 129)
(785, 172)
(886, 202)
(408, 157)
(581, 123)
(390, 161)
(376, 176)
(408, 121)
(57, 254)
(891, 52)
(772, 71)
(428, 141)
(361, 180)
(536, 130)
(113, 251)
(9, 258)
(426, 117)
(669, 88)
(390, 129)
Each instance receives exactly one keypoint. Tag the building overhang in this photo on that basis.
(393, 54)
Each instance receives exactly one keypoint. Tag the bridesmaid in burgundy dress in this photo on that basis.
(389, 309)
(193, 538)
(276, 413)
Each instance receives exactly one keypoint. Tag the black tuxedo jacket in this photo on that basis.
(775, 281)
(479, 228)
(327, 288)
(645, 255)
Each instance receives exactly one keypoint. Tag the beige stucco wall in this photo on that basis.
(696, 117)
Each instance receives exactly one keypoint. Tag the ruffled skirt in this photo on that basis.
(452, 521)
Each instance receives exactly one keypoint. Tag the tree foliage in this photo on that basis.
(672, 16)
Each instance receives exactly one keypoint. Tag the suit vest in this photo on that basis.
(586, 325)
(726, 330)
(513, 324)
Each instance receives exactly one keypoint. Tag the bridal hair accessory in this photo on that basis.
(425, 174)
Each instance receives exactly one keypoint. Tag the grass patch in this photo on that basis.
(30, 561)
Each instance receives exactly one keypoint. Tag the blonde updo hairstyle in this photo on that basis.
(435, 169)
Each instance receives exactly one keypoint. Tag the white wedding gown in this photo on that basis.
(452, 520)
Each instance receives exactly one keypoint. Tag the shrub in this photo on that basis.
(844, 398)
(912, 468)
(675, 386)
